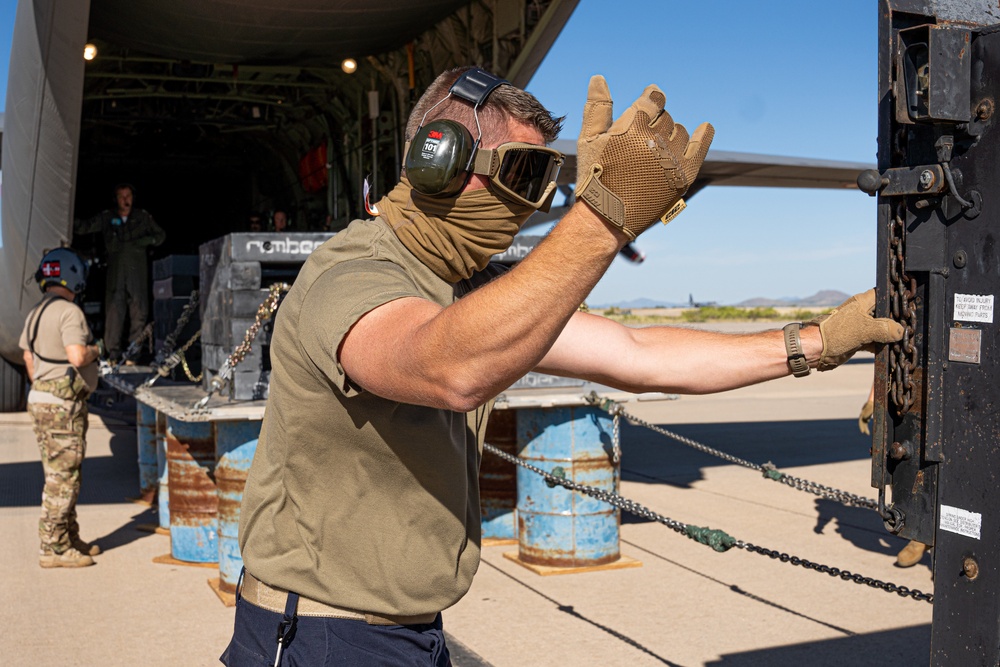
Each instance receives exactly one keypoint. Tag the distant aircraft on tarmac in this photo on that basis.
(700, 304)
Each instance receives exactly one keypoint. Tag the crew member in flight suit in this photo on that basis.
(128, 232)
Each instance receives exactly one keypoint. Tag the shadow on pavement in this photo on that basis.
(104, 479)
(568, 609)
(651, 457)
(130, 532)
(906, 646)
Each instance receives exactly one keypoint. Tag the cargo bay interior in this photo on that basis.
(213, 113)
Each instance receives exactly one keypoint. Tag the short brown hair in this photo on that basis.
(506, 103)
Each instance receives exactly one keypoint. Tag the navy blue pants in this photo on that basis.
(332, 641)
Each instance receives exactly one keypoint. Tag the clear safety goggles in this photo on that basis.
(525, 173)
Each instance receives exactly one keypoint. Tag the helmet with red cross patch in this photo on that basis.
(63, 267)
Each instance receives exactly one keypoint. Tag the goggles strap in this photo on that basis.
(485, 162)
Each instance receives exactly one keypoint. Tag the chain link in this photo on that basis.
(846, 575)
(136, 345)
(768, 470)
(265, 311)
(716, 539)
(171, 341)
(902, 291)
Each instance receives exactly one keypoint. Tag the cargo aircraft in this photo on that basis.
(215, 110)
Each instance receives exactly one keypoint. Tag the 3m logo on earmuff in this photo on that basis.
(51, 270)
(431, 144)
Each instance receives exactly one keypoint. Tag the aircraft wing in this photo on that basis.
(731, 168)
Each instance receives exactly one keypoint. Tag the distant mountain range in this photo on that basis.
(823, 298)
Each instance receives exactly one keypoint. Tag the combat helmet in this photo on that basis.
(63, 267)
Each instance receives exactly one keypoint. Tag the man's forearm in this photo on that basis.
(671, 359)
(507, 326)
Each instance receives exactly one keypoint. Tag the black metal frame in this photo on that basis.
(939, 68)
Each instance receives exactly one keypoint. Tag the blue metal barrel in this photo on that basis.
(145, 425)
(233, 433)
(194, 503)
(558, 527)
(163, 494)
(231, 476)
(498, 479)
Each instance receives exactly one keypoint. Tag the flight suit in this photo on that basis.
(126, 242)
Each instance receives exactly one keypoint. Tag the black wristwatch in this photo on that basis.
(793, 347)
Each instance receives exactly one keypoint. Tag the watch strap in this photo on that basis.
(793, 348)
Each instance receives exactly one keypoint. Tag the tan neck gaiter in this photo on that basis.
(454, 237)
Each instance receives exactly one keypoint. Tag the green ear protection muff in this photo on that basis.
(437, 163)
(440, 157)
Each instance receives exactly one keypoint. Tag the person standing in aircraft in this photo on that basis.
(360, 520)
(60, 356)
(279, 220)
(128, 234)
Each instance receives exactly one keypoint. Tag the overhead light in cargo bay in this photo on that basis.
(350, 65)
(89, 52)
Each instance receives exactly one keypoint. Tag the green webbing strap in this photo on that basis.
(717, 539)
(771, 472)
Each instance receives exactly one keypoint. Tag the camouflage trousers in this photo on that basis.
(61, 431)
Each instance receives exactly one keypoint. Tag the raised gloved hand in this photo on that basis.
(635, 171)
(867, 410)
(850, 327)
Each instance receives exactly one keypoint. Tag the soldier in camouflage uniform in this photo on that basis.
(61, 359)
(127, 232)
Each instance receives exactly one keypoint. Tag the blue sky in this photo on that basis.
(783, 77)
(7, 8)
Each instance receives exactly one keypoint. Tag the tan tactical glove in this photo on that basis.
(867, 410)
(851, 327)
(635, 171)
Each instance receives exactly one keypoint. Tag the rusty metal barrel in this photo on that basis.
(558, 527)
(194, 503)
(233, 433)
(162, 472)
(145, 426)
(231, 477)
(498, 479)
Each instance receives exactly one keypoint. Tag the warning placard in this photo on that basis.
(974, 307)
(960, 521)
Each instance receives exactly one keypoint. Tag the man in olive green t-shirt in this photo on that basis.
(361, 510)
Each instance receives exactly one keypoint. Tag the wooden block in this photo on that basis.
(228, 599)
(546, 570)
(498, 542)
(167, 559)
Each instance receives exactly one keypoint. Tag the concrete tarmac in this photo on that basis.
(685, 605)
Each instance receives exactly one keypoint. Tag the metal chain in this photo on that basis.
(171, 341)
(768, 470)
(265, 311)
(187, 370)
(902, 291)
(714, 538)
(846, 575)
(136, 345)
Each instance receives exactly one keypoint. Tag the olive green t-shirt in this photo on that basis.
(61, 324)
(352, 499)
